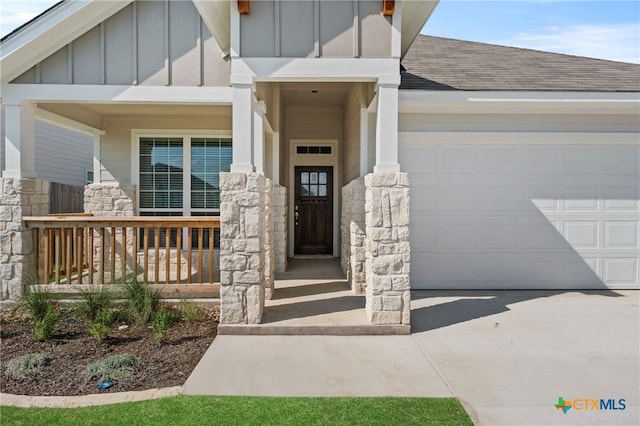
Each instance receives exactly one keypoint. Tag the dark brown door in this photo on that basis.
(313, 210)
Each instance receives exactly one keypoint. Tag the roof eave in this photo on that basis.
(415, 15)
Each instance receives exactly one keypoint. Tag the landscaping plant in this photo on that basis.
(100, 326)
(43, 308)
(118, 368)
(163, 320)
(95, 300)
(191, 312)
(27, 365)
(141, 300)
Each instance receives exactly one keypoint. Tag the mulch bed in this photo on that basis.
(160, 364)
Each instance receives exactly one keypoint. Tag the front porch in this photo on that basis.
(313, 297)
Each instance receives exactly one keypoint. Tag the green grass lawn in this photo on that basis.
(210, 410)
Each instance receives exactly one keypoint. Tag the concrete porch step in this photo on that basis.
(313, 330)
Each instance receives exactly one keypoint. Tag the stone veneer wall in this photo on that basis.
(18, 197)
(352, 228)
(242, 237)
(388, 254)
(268, 251)
(279, 206)
(111, 200)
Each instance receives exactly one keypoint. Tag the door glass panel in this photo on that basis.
(313, 177)
(323, 177)
(304, 177)
(314, 190)
(322, 191)
(305, 190)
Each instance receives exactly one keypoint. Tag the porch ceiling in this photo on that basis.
(91, 114)
(326, 94)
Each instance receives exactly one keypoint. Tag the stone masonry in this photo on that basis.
(18, 197)
(353, 231)
(268, 251)
(279, 205)
(110, 199)
(242, 239)
(388, 253)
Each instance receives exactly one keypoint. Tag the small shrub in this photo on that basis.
(100, 326)
(192, 312)
(27, 365)
(119, 368)
(141, 300)
(36, 302)
(43, 328)
(94, 301)
(161, 324)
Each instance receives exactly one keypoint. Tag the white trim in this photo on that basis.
(487, 102)
(520, 138)
(316, 69)
(13, 93)
(67, 123)
(186, 136)
(332, 160)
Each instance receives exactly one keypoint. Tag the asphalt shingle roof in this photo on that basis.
(435, 63)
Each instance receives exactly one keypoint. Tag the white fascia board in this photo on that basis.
(484, 102)
(14, 93)
(415, 15)
(51, 32)
(67, 123)
(217, 17)
(315, 69)
(411, 138)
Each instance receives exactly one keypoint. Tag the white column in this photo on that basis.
(387, 124)
(364, 142)
(97, 164)
(242, 113)
(19, 140)
(259, 110)
(275, 155)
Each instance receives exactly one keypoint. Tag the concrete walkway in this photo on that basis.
(507, 355)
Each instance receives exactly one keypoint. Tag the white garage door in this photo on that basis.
(514, 214)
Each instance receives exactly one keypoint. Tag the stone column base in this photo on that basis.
(388, 253)
(242, 261)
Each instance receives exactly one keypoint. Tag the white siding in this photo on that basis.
(63, 155)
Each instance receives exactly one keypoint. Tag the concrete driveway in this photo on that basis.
(510, 355)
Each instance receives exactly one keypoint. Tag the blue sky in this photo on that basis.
(608, 29)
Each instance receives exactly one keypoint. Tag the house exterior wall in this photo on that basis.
(351, 146)
(61, 155)
(146, 43)
(315, 29)
(411, 122)
(115, 146)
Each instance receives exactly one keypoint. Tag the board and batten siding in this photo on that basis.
(61, 155)
(115, 145)
(159, 43)
(294, 29)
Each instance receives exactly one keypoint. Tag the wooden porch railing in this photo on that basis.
(80, 249)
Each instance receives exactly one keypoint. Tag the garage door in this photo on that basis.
(513, 214)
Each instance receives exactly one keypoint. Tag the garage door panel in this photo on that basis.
(621, 271)
(621, 234)
(520, 215)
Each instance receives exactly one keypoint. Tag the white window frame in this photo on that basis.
(186, 136)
